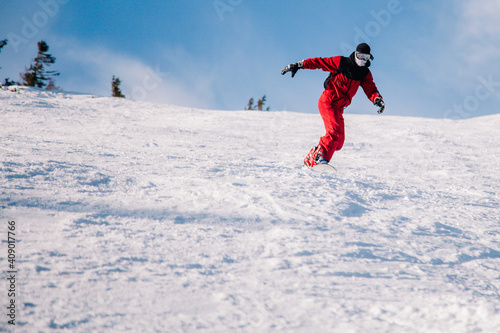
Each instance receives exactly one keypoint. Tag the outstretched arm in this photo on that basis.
(326, 64)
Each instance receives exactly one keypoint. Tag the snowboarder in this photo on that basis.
(346, 75)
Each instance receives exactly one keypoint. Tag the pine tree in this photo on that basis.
(36, 75)
(261, 102)
(2, 44)
(8, 82)
(259, 106)
(115, 88)
(52, 86)
(250, 105)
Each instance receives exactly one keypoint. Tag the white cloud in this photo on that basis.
(478, 31)
(481, 18)
(89, 68)
(477, 40)
(463, 47)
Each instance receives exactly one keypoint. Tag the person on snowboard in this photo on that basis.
(346, 75)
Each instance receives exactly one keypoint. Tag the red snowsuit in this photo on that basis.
(338, 94)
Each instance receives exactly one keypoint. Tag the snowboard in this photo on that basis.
(323, 168)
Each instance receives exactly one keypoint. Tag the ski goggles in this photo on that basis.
(364, 56)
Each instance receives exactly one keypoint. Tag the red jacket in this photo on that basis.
(345, 81)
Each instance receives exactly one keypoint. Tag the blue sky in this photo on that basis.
(432, 58)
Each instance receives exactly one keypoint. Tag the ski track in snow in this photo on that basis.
(151, 218)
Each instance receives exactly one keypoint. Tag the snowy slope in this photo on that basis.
(151, 218)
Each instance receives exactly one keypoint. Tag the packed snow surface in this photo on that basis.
(151, 218)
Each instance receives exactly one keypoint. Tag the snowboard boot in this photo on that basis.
(315, 157)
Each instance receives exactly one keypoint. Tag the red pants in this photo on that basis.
(334, 124)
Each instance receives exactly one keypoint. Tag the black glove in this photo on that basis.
(380, 103)
(292, 68)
